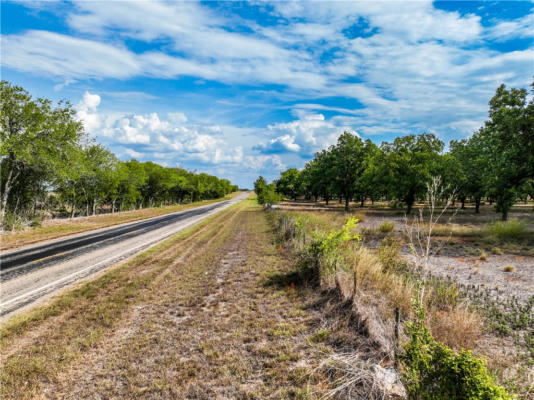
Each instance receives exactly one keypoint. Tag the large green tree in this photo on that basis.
(508, 138)
(409, 162)
(289, 183)
(349, 162)
(36, 138)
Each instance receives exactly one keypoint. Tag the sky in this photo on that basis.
(239, 89)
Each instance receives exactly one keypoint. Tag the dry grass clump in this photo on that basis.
(509, 268)
(458, 328)
(359, 378)
(497, 251)
(372, 277)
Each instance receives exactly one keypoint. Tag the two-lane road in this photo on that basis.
(31, 273)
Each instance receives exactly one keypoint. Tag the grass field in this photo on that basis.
(190, 318)
(52, 229)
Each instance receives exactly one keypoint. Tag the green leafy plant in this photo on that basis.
(326, 246)
(509, 230)
(433, 371)
(387, 226)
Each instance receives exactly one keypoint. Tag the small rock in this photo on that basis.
(389, 379)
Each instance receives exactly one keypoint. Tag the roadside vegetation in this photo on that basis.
(195, 317)
(51, 168)
(426, 280)
(55, 228)
(453, 331)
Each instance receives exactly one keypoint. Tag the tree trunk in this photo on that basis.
(477, 205)
(7, 188)
(113, 206)
(463, 203)
(94, 207)
(362, 201)
(73, 207)
(505, 214)
(347, 199)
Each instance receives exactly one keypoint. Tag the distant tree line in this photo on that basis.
(496, 163)
(48, 163)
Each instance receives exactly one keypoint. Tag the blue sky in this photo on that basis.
(239, 89)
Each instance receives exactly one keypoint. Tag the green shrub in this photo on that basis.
(433, 371)
(508, 230)
(386, 227)
(389, 254)
(36, 221)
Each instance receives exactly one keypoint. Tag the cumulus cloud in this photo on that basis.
(170, 138)
(266, 163)
(305, 135)
(280, 144)
(87, 113)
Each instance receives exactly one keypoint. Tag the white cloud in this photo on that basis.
(280, 144)
(66, 56)
(133, 153)
(264, 163)
(169, 138)
(518, 28)
(307, 134)
(87, 113)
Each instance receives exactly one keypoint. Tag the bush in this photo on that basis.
(434, 371)
(386, 227)
(12, 222)
(389, 254)
(509, 230)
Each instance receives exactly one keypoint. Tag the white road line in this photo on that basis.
(34, 291)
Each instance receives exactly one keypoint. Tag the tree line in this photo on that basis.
(49, 163)
(496, 163)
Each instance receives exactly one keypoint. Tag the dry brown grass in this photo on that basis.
(458, 328)
(189, 319)
(509, 268)
(52, 229)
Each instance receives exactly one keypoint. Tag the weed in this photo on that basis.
(389, 254)
(483, 256)
(320, 336)
(386, 227)
(509, 230)
(434, 371)
(509, 268)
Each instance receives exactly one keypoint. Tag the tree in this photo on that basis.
(35, 136)
(408, 165)
(508, 138)
(266, 192)
(289, 183)
(471, 165)
(349, 154)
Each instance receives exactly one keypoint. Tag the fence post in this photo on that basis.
(355, 283)
(396, 335)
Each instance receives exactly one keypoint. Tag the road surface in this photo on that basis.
(32, 273)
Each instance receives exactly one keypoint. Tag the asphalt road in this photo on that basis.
(35, 272)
